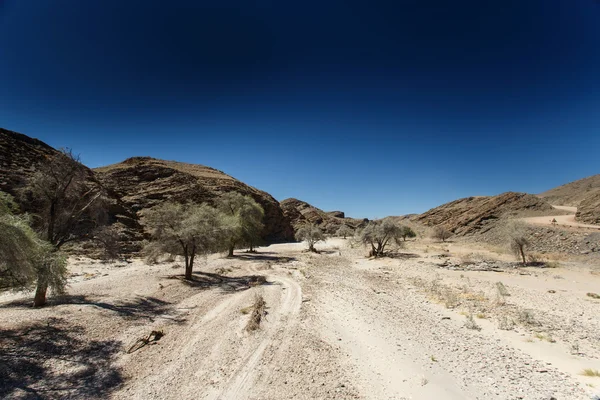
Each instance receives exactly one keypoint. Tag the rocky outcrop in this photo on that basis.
(20, 156)
(143, 182)
(479, 214)
(299, 212)
(588, 210)
(572, 194)
(135, 185)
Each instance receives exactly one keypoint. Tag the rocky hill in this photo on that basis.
(20, 155)
(135, 185)
(583, 194)
(588, 210)
(299, 212)
(143, 182)
(479, 214)
(572, 194)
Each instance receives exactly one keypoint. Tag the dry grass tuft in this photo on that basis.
(593, 295)
(258, 312)
(591, 373)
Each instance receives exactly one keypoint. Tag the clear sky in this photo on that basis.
(371, 107)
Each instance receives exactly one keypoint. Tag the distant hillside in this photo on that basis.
(572, 194)
(143, 182)
(299, 212)
(479, 214)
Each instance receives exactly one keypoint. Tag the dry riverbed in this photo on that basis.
(337, 326)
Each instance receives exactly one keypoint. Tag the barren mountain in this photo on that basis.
(137, 184)
(572, 194)
(19, 157)
(299, 212)
(479, 214)
(588, 210)
(143, 182)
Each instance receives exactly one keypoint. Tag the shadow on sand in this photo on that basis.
(51, 360)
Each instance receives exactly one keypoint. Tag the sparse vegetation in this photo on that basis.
(67, 208)
(258, 313)
(344, 231)
(25, 259)
(407, 232)
(593, 373)
(441, 233)
(244, 220)
(593, 295)
(378, 235)
(516, 234)
(187, 230)
(312, 234)
(471, 324)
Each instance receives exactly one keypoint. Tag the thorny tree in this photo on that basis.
(67, 205)
(186, 230)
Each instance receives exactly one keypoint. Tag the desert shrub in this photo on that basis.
(344, 231)
(379, 234)
(187, 230)
(310, 233)
(441, 233)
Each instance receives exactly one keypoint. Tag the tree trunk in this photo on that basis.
(188, 264)
(230, 254)
(522, 255)
(190, 267)
(40, 294)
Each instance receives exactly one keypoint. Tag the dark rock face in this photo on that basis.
(299, 212)
(143, 182)
(479, 214)
(137, 184)
(589, 209)
(20, 156)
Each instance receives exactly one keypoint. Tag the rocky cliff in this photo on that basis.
(143, 182)
(135, 185)
(479, 214)
(299, 212)
(588, 210)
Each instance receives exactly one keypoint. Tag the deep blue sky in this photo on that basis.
(375, 108)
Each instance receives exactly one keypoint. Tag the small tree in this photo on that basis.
(68, 205)
(246, 222)
(187, 230)
(441, 233)
(516, 234)
(407, 232)
(310, 233)
(378, 234)
(24, 258)
(344, 231)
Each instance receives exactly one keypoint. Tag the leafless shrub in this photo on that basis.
(441, 233)
(258, 312)
(471, 324)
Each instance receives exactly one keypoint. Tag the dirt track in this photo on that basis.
(561, 220)
(339, 326)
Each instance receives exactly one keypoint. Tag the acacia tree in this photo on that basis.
(378, 234)
(407, 232)
(246, 219)
(441, 233)
(344, 231)
(186, 230)
(516, 234)
(24, 257)
(310, 233)
(67, 206)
